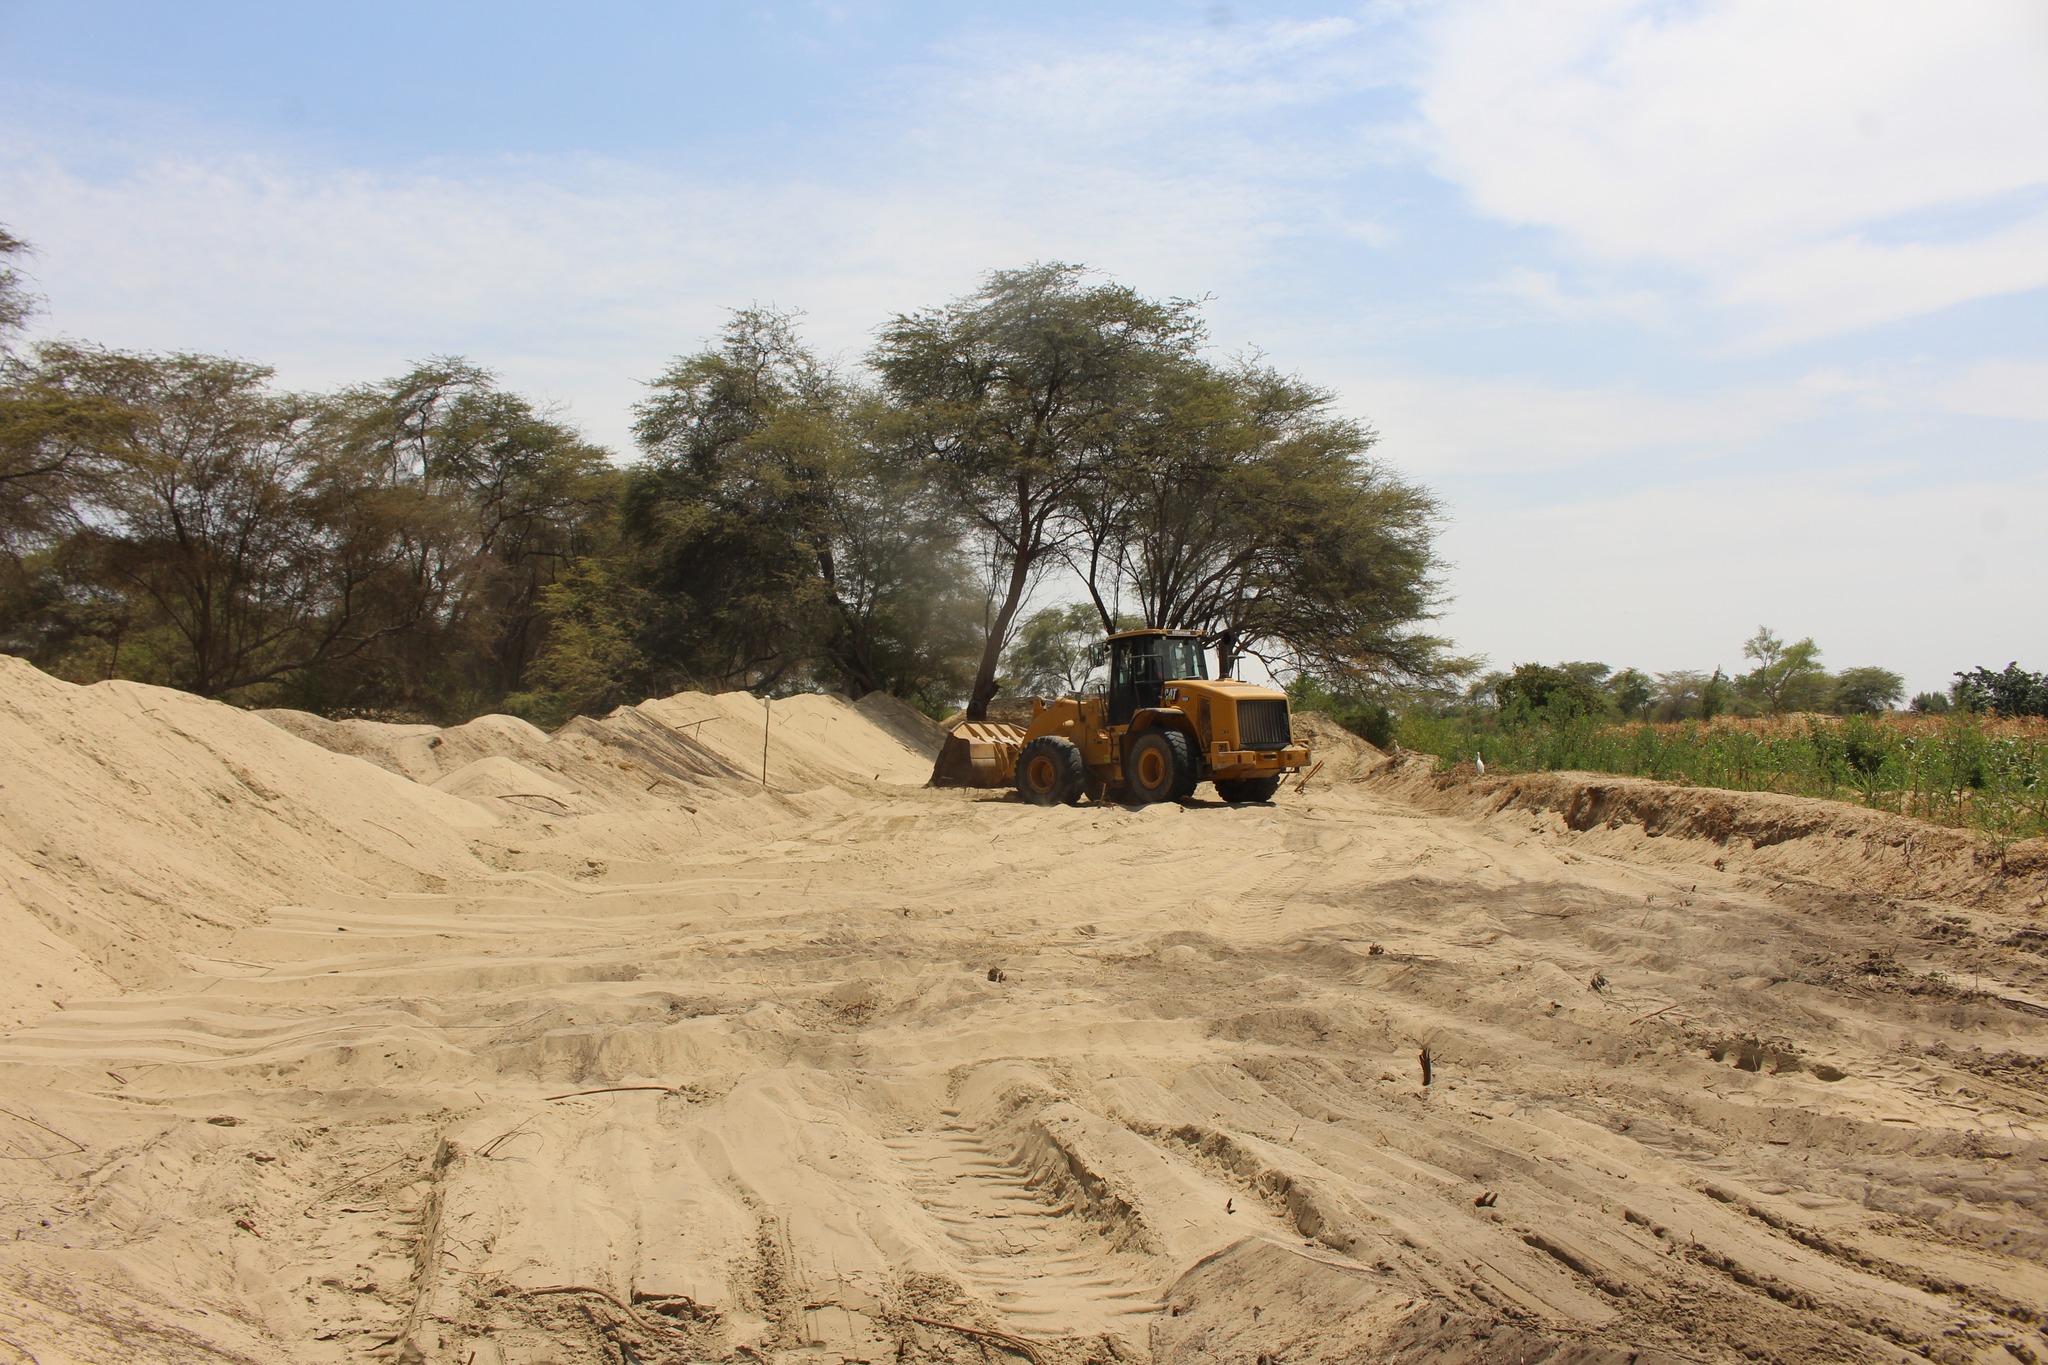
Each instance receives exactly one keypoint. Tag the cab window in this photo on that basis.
(1183, 658)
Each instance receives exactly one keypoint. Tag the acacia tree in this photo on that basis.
(243, 555)
(385, 546)
(1787, 676)
(17, 305)
(55, 443)
(1866, 690)
(1011, 400)
(1244, 507)
(485, 501)
(778, 536)
(1050, 657)
(724, 510)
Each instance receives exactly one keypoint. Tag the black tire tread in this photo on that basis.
(1066, 758)
(1181, 755)
(1248, 788)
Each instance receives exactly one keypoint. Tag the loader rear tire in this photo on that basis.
(1160, 766)
(1050, 772)
(1236, 789)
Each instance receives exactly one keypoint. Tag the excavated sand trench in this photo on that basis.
(475, 1047)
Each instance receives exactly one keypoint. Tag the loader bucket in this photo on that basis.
(979, 754)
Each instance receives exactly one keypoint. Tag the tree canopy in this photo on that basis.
(999, 480)
(1075, 423)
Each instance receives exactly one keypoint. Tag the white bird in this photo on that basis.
(1481, 761)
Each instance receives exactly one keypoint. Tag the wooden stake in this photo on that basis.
(766, 703)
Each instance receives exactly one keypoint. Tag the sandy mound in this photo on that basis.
(138, 824)
(1344, 756)
(908, 725)
(808, 739)
(141, 827)
(498, 778)
(376, 741)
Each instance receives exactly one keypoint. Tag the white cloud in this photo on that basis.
(2000, 388)
(577, 276)
(574, 278)
(1780, 150)
(1441, 424)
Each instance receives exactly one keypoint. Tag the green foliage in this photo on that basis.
(1632, 692)
(2014, 692)
(1958, 775)
(1241, 505)
(1050, 655)
(17, 305)
(1368, 718)
(592, 660)
(1787, 677)
(432, 545)
(1866, 691)
(1931, 703)
(1539, 692)
(175, 518)
(781, 538)
(1011, 400)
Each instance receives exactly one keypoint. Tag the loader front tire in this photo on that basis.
(1160, 766)
(1050, 772)
(1236, 789)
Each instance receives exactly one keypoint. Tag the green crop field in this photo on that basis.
(1961, 769)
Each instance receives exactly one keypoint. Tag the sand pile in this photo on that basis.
(140, 827)
(1344, 756)
(910, 726)
(690, 742)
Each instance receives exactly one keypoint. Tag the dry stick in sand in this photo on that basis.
(638, 1321)
(1654, 1013)
(307, 1207)
(767, 703)
(1302, 785)
(1002, 1339)
(611, 1089)
(42, 1156)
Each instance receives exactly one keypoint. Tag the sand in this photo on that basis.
(333, 1042)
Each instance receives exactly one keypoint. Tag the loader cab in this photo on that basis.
(1142, 662)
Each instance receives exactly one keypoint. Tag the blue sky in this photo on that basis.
(1696, 316)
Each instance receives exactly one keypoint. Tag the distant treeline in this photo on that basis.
(434, 546)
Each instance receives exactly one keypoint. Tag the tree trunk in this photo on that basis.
(992, 652)
(1226, 653)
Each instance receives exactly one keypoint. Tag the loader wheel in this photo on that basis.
(1160, 766)
(1247, 788)
(1050, 772)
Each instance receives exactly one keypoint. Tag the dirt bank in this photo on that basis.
(605, 1050)
(1830, 844)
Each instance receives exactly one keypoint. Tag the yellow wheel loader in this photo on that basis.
(1152, 729)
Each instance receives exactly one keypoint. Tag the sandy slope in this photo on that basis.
(876, 1072)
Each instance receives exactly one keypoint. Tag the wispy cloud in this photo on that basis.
(1758, 144)
(1443, 424)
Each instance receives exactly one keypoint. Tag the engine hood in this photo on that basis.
(1221, 689)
